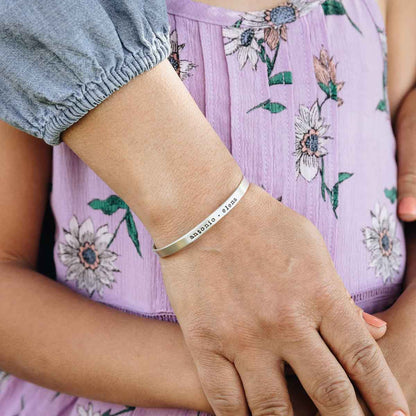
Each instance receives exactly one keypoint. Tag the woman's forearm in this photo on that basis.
(152, 145)
(56, 338)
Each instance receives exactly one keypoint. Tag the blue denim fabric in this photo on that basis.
(60, 59)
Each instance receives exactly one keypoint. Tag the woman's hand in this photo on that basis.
(260, 289)
(397, 346)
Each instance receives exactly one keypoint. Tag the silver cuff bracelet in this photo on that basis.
(207, 223)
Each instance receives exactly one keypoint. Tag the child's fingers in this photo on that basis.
(406, 148)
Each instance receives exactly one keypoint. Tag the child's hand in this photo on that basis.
(406, 142)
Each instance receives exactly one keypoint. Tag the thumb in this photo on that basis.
(406, 153)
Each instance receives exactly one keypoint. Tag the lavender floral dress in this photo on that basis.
(298, 95)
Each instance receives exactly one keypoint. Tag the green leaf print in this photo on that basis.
(238, 23)
(382, 105)
(323, 184)
(108, 206)
(330, 90)
(334, 192)
(132, 230)
(333, 92)
(391, 194)
(343, 176)
(126, 410)
(269, 65)
(335, 198)
(265, 58)
(324, 88)
(273, 107)
(281, 78)
(335, 7)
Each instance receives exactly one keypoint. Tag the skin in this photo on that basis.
(399, 17)
(152, 132)
(124, 359)
(97, 352)
(398, 343)
(185, 143)
(401, 38)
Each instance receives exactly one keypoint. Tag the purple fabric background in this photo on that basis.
(263, 143)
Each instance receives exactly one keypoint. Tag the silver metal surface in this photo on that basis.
(207, 223)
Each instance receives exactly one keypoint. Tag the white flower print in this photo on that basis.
(89, 262)
(89, 411)
(310, 138)
(280, 15)
(181, 66)
(244, 42)
(274, 21)
(384, 246)
(305, 6)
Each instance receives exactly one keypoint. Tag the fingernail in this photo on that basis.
(378, 323)
(399, 413)
(407, 207)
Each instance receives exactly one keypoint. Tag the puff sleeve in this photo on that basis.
(60, 59)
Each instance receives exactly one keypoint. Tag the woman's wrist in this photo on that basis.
(190, 202)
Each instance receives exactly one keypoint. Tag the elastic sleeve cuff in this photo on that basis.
(59, 60)
(94, 93)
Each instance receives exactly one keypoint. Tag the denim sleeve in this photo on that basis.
(60, 59)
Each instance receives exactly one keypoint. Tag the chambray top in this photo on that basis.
(60, 59)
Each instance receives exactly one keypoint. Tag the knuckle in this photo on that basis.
(407, 178)
(334, 394)
(363, 360)
(226, 404)
(202, 336)
(274, 406)
(286, 318)
(289, 319)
